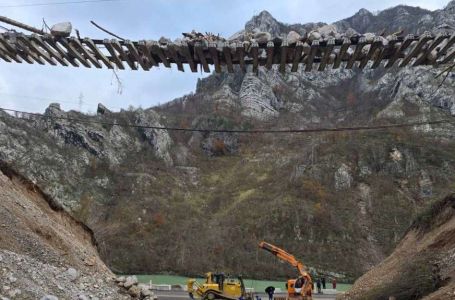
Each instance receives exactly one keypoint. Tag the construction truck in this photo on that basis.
(218, 286)
(300, 288)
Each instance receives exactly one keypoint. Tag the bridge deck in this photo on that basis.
(346, 53)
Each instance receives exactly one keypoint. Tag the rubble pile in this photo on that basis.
(135, 289)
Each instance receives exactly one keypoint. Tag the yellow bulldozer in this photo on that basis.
(218, 286)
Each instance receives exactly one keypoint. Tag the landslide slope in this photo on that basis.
(422, 265)
(45, 251)
(156, 200)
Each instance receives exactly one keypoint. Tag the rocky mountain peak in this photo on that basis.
(450, 6)
(363, 12)
(264, 22)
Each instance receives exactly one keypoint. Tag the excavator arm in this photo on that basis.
(289, 258)
(283, 255)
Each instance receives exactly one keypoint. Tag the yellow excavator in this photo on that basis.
(218, 286)
(300, 288)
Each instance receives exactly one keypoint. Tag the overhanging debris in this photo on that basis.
(308, 52)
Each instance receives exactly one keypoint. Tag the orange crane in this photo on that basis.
(300, 288)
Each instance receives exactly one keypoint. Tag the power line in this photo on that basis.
(56, 3)
(261, 131)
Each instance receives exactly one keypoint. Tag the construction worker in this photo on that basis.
(318, 285)
(270, 291)
(323, 283)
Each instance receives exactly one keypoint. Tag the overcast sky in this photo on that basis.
(21, 84)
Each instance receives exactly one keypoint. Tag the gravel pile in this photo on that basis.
(23, 277)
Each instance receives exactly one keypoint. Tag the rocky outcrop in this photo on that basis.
(158, 138)
(135, 289)
(257, 98)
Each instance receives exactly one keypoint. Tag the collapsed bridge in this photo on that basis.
(309, 54)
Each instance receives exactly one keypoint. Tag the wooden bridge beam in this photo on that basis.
(85, 53)
(174, 55)
(284, 56)
(342, 53)
(418, 47)
(240, 50)
(37, 51)
(114, 58)
(425, 54)
(73, 52)
(99, 55)
(135, 53)
(52, 43)
(399, 50)
(228, 57)
(255, 54)
(215, 56)
(357, 52)
(327, 52)
(201, 57)
(270, 53)
(297, 56)
(185, 51)
(310, 58)
(53, 53)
